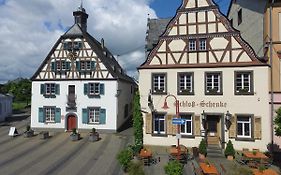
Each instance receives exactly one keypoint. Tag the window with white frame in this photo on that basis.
(159, 83)
(244, 126)
(50, 114)
(185, 83)
(202, 44)
(192, 45)
(243, 82)
(159, 124)
(186, 128)
(94, 115)
(50, 89)
(213, 83)
(94, 88)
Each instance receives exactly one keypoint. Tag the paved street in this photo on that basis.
(58, 154)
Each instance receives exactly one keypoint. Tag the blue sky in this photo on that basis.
(167, 8)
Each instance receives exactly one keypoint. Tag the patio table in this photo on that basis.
(145, 153)
(265, 172)
(209, 169)
(251, 155)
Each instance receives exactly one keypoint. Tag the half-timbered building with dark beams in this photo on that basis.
(219, 82)
(80, 84)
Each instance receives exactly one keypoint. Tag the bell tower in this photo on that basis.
(80, 17)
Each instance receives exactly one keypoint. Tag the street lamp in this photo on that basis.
(177, 115)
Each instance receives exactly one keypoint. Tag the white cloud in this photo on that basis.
(30, 28)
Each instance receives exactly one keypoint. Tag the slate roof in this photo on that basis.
(156, 27)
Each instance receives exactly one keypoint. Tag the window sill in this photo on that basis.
(244, 93)
(185, 93)
(159, 135)
(159, 93)
(188, 136)
(245, 139)
(49, 96)
(94, 96)
(213, 93)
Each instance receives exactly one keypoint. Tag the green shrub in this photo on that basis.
(240, 170)
(229, 150)
(135, 169)
(174, 168)
(203, 147)
(74, 131)
(124, 158)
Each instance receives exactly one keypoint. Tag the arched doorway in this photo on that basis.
(71, 122)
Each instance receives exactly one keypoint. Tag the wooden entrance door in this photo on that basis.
(71, 122)
(213, 129)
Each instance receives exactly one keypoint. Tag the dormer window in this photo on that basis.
(192, 45)
(85, 65)
(60, 65)
(72, 46)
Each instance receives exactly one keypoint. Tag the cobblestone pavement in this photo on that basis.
(58, 154)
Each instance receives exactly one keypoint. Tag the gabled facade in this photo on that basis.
(5, 106)
(80, 84)
(202, 62)
(254, 15)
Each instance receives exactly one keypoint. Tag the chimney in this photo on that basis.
(102, 43)
(80, 18)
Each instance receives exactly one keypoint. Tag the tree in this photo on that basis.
(137, 122)
(277, 122)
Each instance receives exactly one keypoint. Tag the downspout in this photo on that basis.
(271, 76)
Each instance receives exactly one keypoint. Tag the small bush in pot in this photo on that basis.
(74, 136)
(94, 135)
(229, 150)
(203, 148)
(29, 132)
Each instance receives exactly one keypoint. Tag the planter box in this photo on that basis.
(75, 137)
(44, 135)
(29, 133)
(94, 137)
(202, 156)
(230, 158)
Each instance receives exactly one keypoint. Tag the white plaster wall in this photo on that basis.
(256, 104)
(107, 101)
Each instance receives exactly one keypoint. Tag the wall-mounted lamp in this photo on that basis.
(203, 115)
(228, 117)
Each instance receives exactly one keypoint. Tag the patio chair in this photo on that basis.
(252, 164)
(240, 159)
(223, 170)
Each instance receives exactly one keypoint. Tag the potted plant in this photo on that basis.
(254, 153)
(29, 132)
(94, 135)
(262, 168)
(202, 149)
(74, 136)
(229, 151)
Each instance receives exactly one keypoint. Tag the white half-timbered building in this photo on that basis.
(221, 85)
(80, 84)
